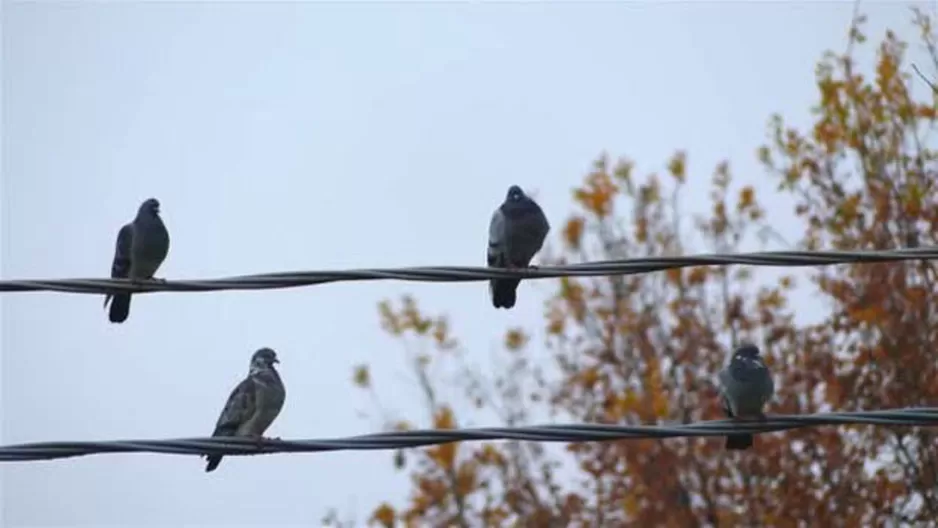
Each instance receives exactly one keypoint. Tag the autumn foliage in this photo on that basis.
(644, 349)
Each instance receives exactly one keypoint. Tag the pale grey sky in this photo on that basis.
(313, 136)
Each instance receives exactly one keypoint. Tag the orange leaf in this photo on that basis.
(556, 325)
(659, 404)
(747, 198)
(384, 515)
(444, 455)
(491, 455)
(866, 314)
(443, 419)
(573, 232)
(515, 339)
(641, 230)
(674, 276)
(589, 377)
(697, 276)
(466, 479)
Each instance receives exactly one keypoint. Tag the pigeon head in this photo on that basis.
(264, 358)
(750, 352)
(747, 356)
(515, 194)
(150, 206)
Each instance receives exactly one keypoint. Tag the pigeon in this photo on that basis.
(253, 404)
(141, 247)
(516, 233)
(745, 387)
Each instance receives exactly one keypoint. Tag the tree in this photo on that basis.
(644, 349)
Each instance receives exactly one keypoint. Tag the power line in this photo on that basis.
(913, 416)
(927, 416)
(267, 281)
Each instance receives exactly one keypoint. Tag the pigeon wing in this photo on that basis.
(120, 266)
(725, 379)
(240, 407)
(496, 249)
(769, 387)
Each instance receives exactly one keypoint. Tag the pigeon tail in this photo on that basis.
(504, 292)
(120, 307)
(738, 442)
(213, 461)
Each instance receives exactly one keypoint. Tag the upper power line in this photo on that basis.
(267, 281)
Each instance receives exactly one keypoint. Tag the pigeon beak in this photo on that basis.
(275, 360)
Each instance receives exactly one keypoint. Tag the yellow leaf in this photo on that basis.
(444, 455)
(747, 198)
(630, 505)
(573, 232)
(659, 404)
(556, 325)
(402, 425)
(443, 418)
(650, 193)
(849, 209)
(589, 377)
(491, 455)
(913, 202)
(641, 230)
(623, 173)
(597, 193)
(630, 401)
(389, 320)
(867, 314)
(441, 333)
(362, 377)
(466, 480)
(678, 165)
(515, 339)
(765, 155)
(384, 515)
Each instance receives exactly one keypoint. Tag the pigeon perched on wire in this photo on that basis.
(253, 404)
(141, 247)
(745, 387)
(516, 233)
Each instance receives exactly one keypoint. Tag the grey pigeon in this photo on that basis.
(142, 246)
(253, 404)
(745, 387)
(516, 233)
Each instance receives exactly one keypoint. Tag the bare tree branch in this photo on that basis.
(934, 87)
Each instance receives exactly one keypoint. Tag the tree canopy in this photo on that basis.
(644, 349)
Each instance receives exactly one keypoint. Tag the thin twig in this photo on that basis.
(922, 75)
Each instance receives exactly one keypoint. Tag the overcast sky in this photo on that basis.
(304, 136)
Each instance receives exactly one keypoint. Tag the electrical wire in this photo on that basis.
(908, 417)
(268, 281)
(925, 416)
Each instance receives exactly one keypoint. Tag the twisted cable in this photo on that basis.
(921, 416)
(296, 279)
